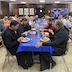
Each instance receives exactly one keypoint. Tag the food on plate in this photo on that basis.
(26, 39)
(33, 29)
(45, 39)
(32, 33)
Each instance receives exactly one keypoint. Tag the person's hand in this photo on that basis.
(51, 31)
(20, 39)
(39, 44)
(23, 34)
(42, 30)
(32, 25)
(28, 31)
(45, 29)
(46, 34)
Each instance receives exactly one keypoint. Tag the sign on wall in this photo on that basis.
(31, 11)
(55, 12)
(26, 11)
(20, 11)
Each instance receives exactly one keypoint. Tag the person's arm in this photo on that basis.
(52, 36)
(28, 27)
(58, 40)
(3, 28)
(20, 30)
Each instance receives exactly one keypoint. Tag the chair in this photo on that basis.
(67, 49)
(1, 44)
(7, 56)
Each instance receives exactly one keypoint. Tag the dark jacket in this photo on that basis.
(60, 40)
(23, 28)
(10, 40)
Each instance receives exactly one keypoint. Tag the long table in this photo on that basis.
(30, 46)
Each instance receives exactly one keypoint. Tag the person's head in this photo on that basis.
(16, 15)
(24, 21)
(36, 16)
(66, 17)
(10, 18)
(58, 24)
(31, 18)
(6, 18)
(14, 25)
(46, 17)
(27, 17)
(53, 22)
(49, 21)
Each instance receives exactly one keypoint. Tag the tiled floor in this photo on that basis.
(60, 67)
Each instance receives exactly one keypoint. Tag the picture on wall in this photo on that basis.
(55, 12)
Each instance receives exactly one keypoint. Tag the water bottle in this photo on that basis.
(38, 33)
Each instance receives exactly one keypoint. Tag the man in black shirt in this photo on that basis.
(59, 43)
(23, 27)
(12, 40)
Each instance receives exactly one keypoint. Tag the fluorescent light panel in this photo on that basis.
(12, 0)
(42, 1)
(23, 2)
(57, 1)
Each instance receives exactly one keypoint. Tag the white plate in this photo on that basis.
(32, 33)
(26, 40)
(33, 29)
(45, 39)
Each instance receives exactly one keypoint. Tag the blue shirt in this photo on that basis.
(2, 28)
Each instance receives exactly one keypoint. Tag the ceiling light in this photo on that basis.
(57, 1)
(42, 1)
(23, 2)
(12, 0)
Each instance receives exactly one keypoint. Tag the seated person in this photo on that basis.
(15, 17)
(35, 18)
(59, 44)
(50, 26)
(10, 18)
(2, 27)
(67, 23)
(5, 19)
(27, 17)
(24, 26)
(70, 34)
(31, 23)
(12, 40)
(46, 17)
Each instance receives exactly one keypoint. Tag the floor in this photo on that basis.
(60, 67)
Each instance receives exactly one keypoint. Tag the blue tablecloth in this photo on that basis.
(41, 23)
(30, 46)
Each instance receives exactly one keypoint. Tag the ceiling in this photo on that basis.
(37, 1)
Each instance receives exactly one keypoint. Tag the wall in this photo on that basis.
(0, 10)
(49, 6)
(11, 9)
(71, 7)
(14, 7)
(5, 8)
